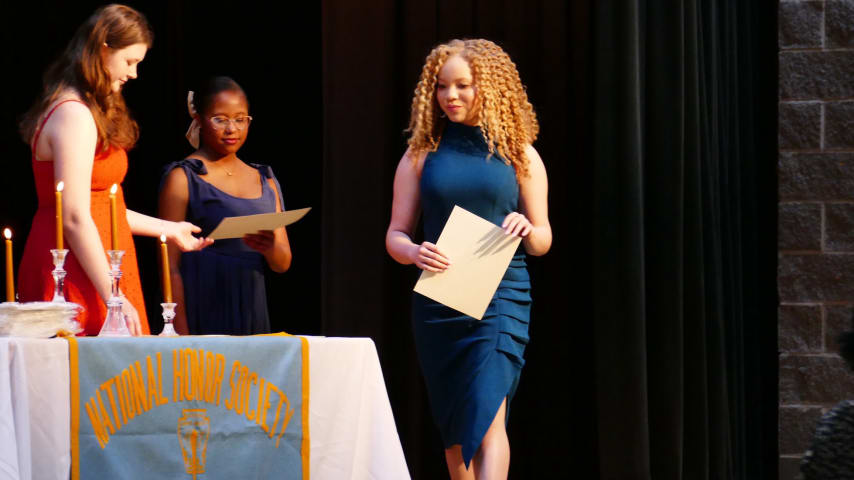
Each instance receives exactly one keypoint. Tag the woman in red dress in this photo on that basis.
(79, 131)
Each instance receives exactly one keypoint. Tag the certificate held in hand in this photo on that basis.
(237, 227)
(479, 252)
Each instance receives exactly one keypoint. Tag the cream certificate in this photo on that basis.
(237, 227)
(479, 252)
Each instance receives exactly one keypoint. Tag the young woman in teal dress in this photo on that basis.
(471, 127)
(222, 291)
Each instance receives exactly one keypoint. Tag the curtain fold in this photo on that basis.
(619, 283)
(678, 219)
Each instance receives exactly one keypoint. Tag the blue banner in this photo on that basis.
(189, 407)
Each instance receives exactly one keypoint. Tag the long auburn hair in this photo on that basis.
(506, 118)
(80, 67)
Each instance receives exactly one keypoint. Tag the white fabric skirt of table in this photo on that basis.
(351, 427)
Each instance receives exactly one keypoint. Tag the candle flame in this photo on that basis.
(113, 189)
(60, 186)
(163, 237)
(7, 233)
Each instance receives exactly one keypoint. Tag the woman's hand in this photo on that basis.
(427, 257)
(181, 234)
(261, 241)
(517, 225)
(131, 317)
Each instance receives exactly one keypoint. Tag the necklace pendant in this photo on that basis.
(229, 173)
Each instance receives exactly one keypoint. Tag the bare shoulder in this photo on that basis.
(70, 129)
(533, 156)
(536, 168)
(174, 195)
(175, 181)
(412, 160)
(73, 117)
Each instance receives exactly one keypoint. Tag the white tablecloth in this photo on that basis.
(351, 427)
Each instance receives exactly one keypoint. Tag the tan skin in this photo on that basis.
(456, 95)
(218, 151)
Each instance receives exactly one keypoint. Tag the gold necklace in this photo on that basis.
(227, 171)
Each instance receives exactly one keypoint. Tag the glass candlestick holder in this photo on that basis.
(168, 315)
(58, 274)
(115, 324)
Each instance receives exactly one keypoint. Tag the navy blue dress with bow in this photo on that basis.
(224, 290)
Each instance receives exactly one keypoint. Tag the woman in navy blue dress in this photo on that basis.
(222, 291)
(470, 145)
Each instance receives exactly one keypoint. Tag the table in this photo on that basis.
(352, 430)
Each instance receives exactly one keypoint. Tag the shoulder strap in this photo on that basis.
(268, 176)
(44, 121)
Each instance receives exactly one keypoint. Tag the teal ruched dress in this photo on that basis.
(470, 365)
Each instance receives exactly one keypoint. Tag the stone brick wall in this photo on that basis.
(816, 215)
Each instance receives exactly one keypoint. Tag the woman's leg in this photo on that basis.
(492, 459)
(456, 466)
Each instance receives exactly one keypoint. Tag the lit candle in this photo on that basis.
(167, 280)
(114, 229)
(10, 277)
(59, 187)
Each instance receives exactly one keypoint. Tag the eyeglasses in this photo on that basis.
(220, 122)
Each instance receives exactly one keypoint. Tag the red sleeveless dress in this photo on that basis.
(34, 280)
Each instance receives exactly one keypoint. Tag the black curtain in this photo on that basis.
(684, 235)
(653, 334)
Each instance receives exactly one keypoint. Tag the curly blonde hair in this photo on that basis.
(505, 116)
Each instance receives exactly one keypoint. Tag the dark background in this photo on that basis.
(653, 338)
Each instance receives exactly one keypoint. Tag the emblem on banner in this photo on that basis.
(194, 429)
